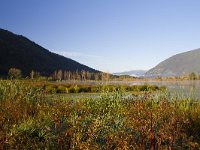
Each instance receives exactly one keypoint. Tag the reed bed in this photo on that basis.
(149, 120)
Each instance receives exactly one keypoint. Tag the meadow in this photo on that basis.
(35, 115)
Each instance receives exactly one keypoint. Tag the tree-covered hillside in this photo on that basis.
(17, 51)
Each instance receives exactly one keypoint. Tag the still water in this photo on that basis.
(181, 88)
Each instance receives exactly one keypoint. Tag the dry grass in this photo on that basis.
(28, 120)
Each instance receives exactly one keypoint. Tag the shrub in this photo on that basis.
(14, 73)
(76, 89)
(84, 89)
(71, 89)
(95, 89)
(51, 89)
(61, 89)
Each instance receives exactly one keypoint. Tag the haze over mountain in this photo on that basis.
(179, 64)
(134, 73)
(19, 52)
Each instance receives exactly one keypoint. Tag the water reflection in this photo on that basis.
(185, 89)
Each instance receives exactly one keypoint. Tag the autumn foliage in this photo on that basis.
(150, 120)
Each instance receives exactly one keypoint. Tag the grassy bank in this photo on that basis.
(77, 88)
(30, 120)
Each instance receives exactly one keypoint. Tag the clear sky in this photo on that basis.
(108, 35)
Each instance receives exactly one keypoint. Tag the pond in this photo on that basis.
(185, 89)
(180, 88)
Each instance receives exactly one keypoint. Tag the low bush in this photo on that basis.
(61, 89)
(51, 88)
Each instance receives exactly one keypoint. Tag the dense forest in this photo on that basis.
(19, 52)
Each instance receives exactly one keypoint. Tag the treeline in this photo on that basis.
(59, 75)
(80, 75)
(194, 76)
(189, 76)
(83, 75)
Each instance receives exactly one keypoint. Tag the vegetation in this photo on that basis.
(177, 65)
(19, 52)
(194, 76)
(30, 120)
(71, 88)
(14, 73)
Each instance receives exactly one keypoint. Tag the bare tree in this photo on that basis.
(59, 75)
(55, 75)
(83, 75)
(65, 75)
(32, 74)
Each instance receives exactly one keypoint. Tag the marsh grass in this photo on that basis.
(53, 88)
(149, 120)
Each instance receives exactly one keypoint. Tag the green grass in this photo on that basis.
(53, 88)
(31, 119)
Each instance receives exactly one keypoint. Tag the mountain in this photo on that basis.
(180, 64)
(19, 52)
(134, 73)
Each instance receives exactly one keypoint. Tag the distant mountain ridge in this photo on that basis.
(19, 52)
(134, 73)
(177, 65)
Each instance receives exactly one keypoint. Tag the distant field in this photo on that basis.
(31, 117)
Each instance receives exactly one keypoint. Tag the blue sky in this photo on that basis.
(108, 35)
